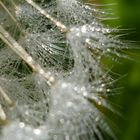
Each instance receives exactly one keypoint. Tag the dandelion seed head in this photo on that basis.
(68, 113)
(70, 109)
(18, 131)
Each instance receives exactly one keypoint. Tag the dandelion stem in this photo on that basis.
(6, 97)
(9, 13)
(2, 114)
(43, 12)
(20, 51)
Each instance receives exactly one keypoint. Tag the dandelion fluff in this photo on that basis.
(71, 116)
(21, 131)
(70, 108)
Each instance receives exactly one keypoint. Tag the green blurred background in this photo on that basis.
(128, 12)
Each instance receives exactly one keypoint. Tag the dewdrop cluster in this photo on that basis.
(23, 132)
(52, 71)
